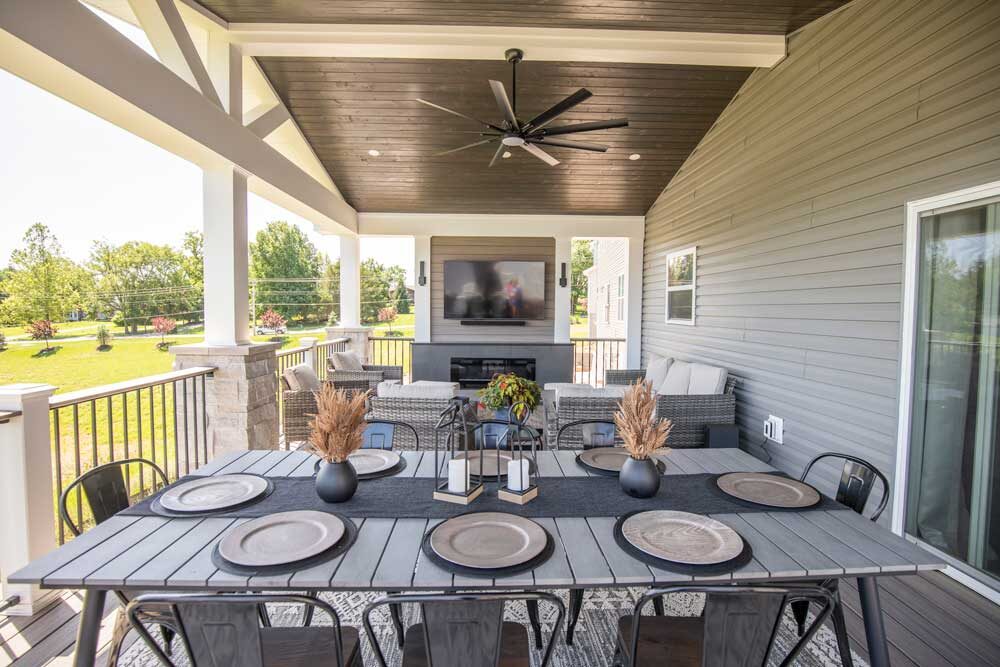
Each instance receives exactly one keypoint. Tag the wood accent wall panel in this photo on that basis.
(348, 106)
(796, 201)
(777, 17)
(491, 248)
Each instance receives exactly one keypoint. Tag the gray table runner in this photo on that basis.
(395, 497)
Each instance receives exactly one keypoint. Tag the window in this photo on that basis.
(621, 297)
(681, 268)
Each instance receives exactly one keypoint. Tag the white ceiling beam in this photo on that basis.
(489, 43)
(88, 63)
(165, 29)
(266, 118)
(501, 224)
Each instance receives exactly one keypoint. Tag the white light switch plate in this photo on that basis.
(774, 429)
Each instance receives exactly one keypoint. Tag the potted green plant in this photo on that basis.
(508, 390)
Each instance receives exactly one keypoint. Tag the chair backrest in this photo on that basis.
(499, 434)
(226, 629)
(463, 629)
(420, 413)
(588, 433)
(385, 434)
(740, 622)
(857, 481)
(106, 488)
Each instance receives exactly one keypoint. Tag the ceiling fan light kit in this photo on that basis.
(513, 132)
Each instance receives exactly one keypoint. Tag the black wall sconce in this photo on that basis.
(562, 276)
(422, 280)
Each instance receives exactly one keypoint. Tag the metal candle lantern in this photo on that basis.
(457, 485)
(520, 486)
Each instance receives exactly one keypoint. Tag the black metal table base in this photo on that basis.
(871, 612)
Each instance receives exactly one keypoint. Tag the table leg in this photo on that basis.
(89, 628)
(871, 611)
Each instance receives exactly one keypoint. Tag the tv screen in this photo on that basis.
(494, 290)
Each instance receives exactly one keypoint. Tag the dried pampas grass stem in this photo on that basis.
(339, 424)
(636, 420)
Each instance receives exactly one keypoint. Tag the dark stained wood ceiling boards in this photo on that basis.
(347, 107)
(774, 17)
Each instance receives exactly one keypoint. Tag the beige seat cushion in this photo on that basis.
(417, 390)
(656, 370)
(347, 361)
(707, 379)
(301, 377)
(677, 380)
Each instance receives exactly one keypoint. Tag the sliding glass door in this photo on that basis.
(953, 485)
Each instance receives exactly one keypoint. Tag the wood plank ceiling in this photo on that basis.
(776, 17)
(347, 107)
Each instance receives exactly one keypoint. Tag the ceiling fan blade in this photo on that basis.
(496, 155)
(461, 115)
(582, 145)
(500, 93)
(540, 154)
(552, 113)
(584, 127)
(462, 148)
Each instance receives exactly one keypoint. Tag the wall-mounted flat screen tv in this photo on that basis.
(504, 290)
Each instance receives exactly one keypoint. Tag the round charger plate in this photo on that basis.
(770, 490)
(213, 493)
(281, 538)
(609, 460)
(488, 540)
(370, 461)
(489, 463)
(682, 537)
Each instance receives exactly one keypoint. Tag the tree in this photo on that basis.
(41, 282)
(163, 326)
(272, 319)
(387, 315)
(380, 287)
(329, 289)
(103, 337)
(286, 268)
(140, 280)
(581, 259)
(42, 330)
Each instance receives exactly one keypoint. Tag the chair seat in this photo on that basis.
(664, 640)
(308, 647)
(515, 646)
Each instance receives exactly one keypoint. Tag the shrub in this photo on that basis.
(272, 319)
(103, 337)
(3, 342)
(387, 315)
(42, 330)
(332, 320)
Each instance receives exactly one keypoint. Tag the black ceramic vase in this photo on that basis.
(336, 482)
(639, 478)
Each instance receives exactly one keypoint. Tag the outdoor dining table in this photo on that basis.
(144, 553)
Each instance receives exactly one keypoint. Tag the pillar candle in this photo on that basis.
(458, 476)
(517, 474)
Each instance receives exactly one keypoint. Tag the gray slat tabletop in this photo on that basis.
(161, 553)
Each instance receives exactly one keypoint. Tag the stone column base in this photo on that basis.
(358, 338)
(241, 399)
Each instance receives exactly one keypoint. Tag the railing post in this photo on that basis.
(311, 353)
(27, 528)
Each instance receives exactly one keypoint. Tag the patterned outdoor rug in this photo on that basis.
(593, 643)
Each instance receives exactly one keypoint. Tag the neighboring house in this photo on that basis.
(607, 305)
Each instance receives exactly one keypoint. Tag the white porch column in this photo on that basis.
(28, 529)
(422, 293)
(633, 291)
(227, 288)
(564, 252)
(350, 298)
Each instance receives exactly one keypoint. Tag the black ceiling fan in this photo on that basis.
(512, 131)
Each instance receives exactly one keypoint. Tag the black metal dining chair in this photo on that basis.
(106, 490)
(593, 433)
(386, 434)
(857, 481)
(462, 629)
(226, 630)
(736, 628)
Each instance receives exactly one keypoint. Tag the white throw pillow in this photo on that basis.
(707, 379)
(347, 361)
(301, 377)
(677, 380)
(656, 370)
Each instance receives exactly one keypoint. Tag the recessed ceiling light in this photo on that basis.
(374, 153)
(506, 154)
(634, 156)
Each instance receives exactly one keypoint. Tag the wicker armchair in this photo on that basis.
(363, 379)
(298, 409)
(689, 413)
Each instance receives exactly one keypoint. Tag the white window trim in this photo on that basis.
(693, 251)
(966, 198)
(620, 313)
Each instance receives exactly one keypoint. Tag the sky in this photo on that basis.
(89, 180)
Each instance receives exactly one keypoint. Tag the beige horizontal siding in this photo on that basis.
(795, 200)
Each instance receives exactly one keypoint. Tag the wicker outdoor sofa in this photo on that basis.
(365, 379)
(690, 413)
